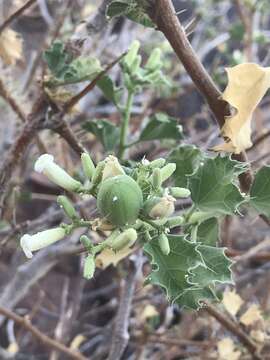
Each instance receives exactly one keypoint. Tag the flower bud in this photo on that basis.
(126, 238)
(158, 163)
(156, 178)
(40, 240)
(167, 171)
(132, 53)
(160, 208)
(89, 267)
(88, 165)
(164, 244)
(179, 192)
(97, 176)
(154, 60)
(87, 243)
(67, 206)
(200, 216)
(45, 164)
(175, 221)
(112, 168)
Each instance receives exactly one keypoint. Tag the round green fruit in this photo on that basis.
(119, 200)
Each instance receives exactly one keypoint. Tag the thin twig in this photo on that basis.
(46, 340)
(16, 14)
(235, 329)
(120, 336)
(11, 101)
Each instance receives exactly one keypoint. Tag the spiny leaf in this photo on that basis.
(208, 232)
(212, 187)
(161, 126)
(216, 269)
(260, 191)
(170, 271)
(187, 159)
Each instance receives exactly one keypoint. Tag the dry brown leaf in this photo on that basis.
(226, 350)
(108, 257)
(10, 47)
(251, 316)
(232, 302)
(247, 84)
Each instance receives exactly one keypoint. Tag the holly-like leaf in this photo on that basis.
(187, 159)
(161, 126)
(208, 232)
(170, 271)
(216, 269)
(260, 191)
(106, 132)
(189, 272)
(212, 185)
(132, 9)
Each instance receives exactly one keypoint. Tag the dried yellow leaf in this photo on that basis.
(251, 316)
(258, 335)
(148, 312)
(226, 350)
(232, 302)
(108, 257)
(10, 46)
(247, 84)
(77, 341)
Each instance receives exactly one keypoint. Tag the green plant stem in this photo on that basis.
(125, 123)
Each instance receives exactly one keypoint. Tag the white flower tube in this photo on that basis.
(45, 164)
(40, 240)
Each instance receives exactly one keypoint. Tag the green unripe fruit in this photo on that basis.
(164, 244)
(119, 200)
(156, 179)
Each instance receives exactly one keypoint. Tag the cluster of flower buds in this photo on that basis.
(126, 198)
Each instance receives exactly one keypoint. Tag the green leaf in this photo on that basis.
(212, 185)
(57, 59)
(216, 269)
(170, 271)
(109, 90)
(161, 126)
(260, 191)
(208, 232)
(106, 132)
(132, 9)
(188, 274)
(64, 70)
(187, 159)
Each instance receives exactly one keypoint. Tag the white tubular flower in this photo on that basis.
(112, 168)
(40, 240)
(45, 164)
